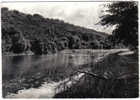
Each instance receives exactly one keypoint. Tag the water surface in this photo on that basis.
(20, 66)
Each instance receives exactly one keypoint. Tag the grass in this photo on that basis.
(119, 79)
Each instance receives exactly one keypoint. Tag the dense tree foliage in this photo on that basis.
(24, 32)
(124, 15)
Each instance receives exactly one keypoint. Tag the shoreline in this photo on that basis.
(67, 50)
(46, 90)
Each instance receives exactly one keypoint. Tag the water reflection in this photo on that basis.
(18, 66)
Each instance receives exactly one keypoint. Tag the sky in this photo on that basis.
(85, 14)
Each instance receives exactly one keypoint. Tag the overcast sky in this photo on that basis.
(84, 14)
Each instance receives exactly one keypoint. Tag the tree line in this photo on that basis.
(24, 32)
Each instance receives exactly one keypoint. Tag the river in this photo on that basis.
(17, 66)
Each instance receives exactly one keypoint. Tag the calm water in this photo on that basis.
(18, 66)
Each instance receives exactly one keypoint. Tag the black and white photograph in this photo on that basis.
(69, 49)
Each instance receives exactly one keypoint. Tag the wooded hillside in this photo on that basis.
(24, 32)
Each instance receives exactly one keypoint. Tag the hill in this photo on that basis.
(24, 32)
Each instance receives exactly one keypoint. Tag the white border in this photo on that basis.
(4, 1)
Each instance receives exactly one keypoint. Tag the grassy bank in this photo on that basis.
(112, 76)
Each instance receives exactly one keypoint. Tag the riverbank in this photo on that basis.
(112, 76)
(17, 54)
(36, 80)
(46, 90)
(69, 51)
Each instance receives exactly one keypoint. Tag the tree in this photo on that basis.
(36, 46)
(124, 15)
(13, 40)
